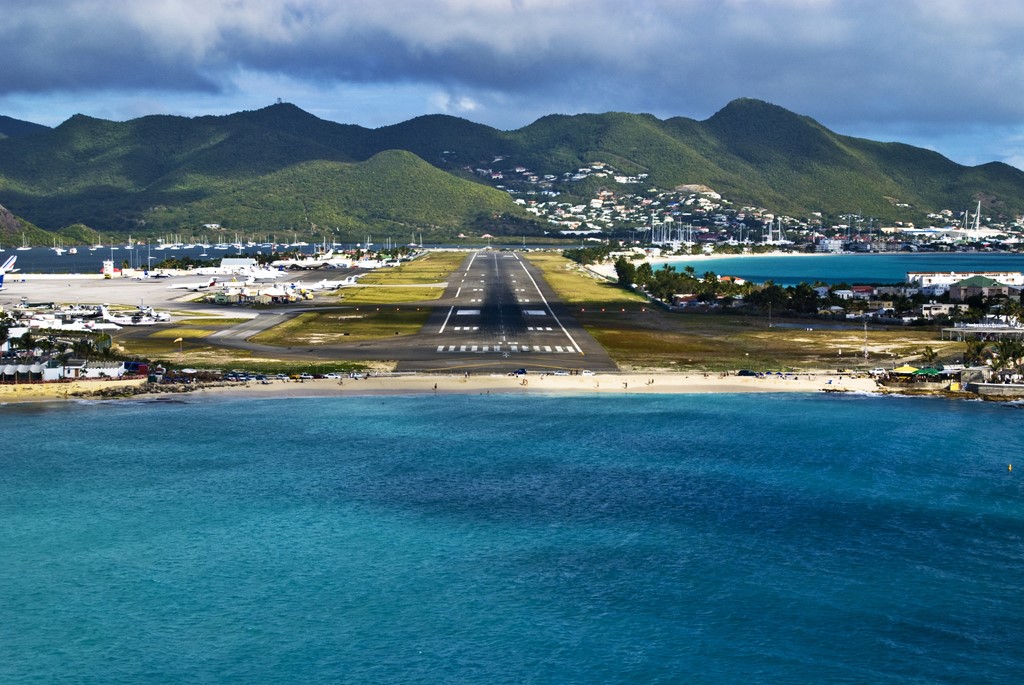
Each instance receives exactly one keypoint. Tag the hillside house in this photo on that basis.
(933, 310)
(980, 285)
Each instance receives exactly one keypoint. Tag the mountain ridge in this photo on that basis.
(164, 172)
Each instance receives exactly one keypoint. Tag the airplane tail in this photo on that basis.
(7, 266)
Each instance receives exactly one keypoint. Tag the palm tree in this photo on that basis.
(929, 356)
(1009, 354)
(27, 342)
(1013, 311)
(975, 350)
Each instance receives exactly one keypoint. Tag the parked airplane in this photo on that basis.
(328, 285)
(251, 275)
(142, 316)
(7, 267)
(327, 259)
(206, 285)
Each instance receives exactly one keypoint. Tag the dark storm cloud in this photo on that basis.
(79, 46)
(936, 62)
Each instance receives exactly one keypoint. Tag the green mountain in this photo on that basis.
(12, 128)
(15, 230)
(280, 169)
(274, 170)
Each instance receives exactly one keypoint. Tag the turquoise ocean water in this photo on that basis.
(497, 539)
(861, 268)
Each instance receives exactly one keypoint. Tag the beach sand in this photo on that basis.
(630, 383)
(48, 392)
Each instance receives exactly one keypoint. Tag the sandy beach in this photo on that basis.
(626, 383)
(12, 393)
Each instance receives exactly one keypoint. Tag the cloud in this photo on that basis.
(938, 63)
(454, 104)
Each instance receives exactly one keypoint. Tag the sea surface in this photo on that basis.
(852, 269)
(500, 539)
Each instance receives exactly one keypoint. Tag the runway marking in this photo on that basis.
(458, 291)
(545, 301)
(475, 300)
(468, 312)
(534, 312)
(446, 320)
(496, 349)
(466, 328)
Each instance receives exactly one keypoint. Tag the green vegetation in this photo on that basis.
(638, 334)
(12, 128)
(280, 169)
(384, 308)
(347, 326)
(381, 294)
(431, 268)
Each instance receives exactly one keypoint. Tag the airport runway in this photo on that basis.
(497, 315)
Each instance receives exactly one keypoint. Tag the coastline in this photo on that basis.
(607, 269)
(417, 384)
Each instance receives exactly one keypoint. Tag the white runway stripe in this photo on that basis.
(482, 349)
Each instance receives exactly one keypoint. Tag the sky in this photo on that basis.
(941, 74)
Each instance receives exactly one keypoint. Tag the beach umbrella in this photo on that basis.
(906, 368)
(926, 372)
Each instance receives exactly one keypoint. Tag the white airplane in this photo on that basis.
(250, 275)
(7, 267)
(328, 285)
(263, 275)
(206, 285)
(327, 259)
